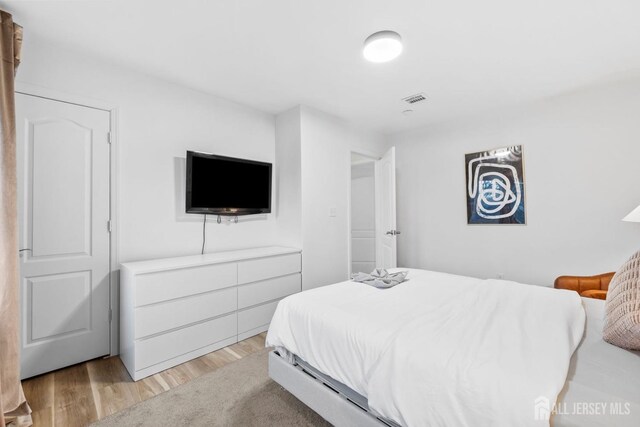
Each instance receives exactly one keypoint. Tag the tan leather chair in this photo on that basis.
(586, 286)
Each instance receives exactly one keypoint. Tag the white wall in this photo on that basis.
(581, 155)
(325, 143)
(288, 178)
(363, 225)
(158, 122)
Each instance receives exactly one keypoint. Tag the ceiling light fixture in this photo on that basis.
(382, 46)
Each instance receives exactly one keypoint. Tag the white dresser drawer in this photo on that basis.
(166, 285)
(257, 316)
(268, 290)
(161, 317)
(266, 268)
(164, 347)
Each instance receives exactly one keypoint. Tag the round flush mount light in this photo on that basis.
(382, 46)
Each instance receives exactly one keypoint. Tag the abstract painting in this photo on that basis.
(495, 186)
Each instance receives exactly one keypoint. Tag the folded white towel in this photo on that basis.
(380, 278)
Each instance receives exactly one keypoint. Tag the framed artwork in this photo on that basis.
(495, 186)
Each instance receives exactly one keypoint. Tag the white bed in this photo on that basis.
(345, 330)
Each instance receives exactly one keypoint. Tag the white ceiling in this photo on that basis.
(466, 56)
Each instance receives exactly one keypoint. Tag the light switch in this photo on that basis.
(332, 212)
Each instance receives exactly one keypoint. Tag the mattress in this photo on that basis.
(598, 389)
(322, 323)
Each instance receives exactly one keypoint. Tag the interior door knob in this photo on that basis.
(393, 232)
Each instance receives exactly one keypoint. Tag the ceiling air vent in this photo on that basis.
(418, 97)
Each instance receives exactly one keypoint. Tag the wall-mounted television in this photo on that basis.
(221, 185)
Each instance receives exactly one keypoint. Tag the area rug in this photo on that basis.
(238, 394)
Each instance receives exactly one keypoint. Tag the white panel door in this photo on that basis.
(63, 213)
(386, 233)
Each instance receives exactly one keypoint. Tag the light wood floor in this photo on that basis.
(79, 395)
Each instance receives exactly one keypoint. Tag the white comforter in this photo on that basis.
(438, 349)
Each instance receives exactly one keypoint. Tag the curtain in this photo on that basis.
(13, 405)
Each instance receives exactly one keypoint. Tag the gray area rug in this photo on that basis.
(239, 394)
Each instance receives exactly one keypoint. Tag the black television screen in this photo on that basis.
(226, 185)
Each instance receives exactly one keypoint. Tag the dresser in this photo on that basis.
(176, 309)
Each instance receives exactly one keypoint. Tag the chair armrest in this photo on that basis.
(584, 283)
(594, 293)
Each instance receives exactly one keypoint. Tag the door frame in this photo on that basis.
(374, 157)
(114, 153)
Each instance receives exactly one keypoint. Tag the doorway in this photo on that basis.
(363, 214)
(372, 209)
